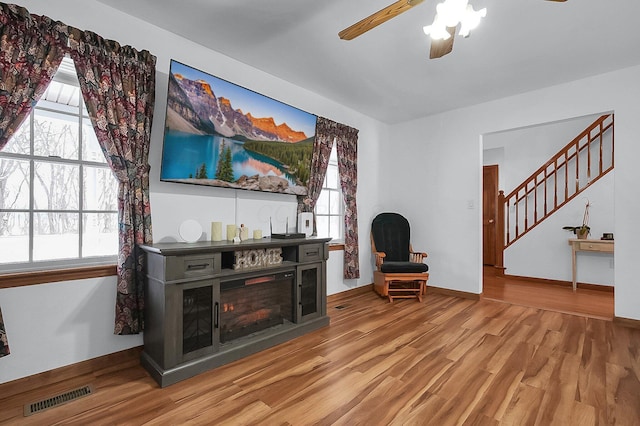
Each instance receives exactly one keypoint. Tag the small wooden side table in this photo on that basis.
(601, 246)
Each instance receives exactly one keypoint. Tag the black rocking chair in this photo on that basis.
(400, 272)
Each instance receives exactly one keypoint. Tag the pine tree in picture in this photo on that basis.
(225, 166)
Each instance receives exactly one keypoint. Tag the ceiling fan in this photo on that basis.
(439, 48)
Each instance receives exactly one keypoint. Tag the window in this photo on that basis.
(330, 205)
(59, 197)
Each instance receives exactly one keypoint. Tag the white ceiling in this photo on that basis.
(520, 46)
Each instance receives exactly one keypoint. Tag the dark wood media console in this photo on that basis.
(211, 303)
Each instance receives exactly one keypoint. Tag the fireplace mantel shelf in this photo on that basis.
(173, 249)
(194, 320)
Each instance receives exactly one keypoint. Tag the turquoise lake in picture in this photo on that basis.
(185, 153)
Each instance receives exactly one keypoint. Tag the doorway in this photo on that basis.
(508, 157)
(544, 253)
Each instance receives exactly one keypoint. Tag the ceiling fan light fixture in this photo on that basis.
(449, 14)
(451, 11)
(470, 20)
(437, 30)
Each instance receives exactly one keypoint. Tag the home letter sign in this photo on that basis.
(262, 258)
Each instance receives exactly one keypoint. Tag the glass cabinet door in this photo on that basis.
(197, 321)
(309, 296)
(197, 318)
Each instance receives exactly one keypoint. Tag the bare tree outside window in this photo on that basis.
(58, 203)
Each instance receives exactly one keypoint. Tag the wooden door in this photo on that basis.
(489, 211)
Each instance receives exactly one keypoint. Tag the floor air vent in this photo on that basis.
(54, 401)
(340, 307)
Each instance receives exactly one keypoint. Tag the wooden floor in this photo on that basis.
(445, 361)
(585, 302)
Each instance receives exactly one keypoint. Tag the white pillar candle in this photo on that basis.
(244, 232)
(231, 232)
(257, 234)
(216, 231)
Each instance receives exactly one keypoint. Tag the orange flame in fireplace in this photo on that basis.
(261, 314)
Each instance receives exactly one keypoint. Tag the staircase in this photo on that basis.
(574, 168)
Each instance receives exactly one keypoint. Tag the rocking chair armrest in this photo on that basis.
(417, 253)
(417, 256)
(380, 255)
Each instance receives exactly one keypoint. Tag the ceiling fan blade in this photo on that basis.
(558, 0)
(439, 48)
(377, 18)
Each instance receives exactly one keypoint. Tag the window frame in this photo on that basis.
(333, 163)
(34, 271)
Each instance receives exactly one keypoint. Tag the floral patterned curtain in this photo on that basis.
(118, 86)
(319, 162)
(4, 344)
(347, 149)
(31, 49)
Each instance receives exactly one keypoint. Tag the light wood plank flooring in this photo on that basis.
(446, 361)
(585, 302)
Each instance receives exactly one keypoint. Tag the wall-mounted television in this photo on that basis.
(220, 134)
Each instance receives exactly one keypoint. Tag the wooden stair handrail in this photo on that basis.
(560, 153)
(552, 169)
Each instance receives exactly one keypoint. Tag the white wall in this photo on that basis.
(543, 252)
(528, 148)
(57, 324)
(441, 188)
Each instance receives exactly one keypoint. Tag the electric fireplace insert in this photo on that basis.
(250, 305)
